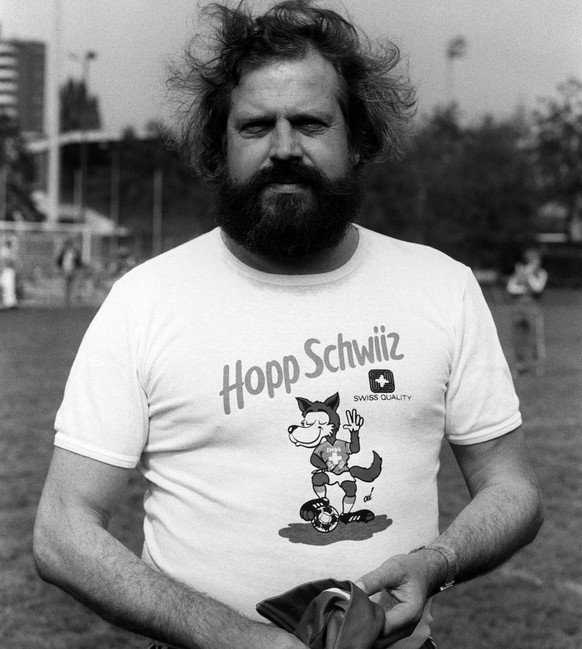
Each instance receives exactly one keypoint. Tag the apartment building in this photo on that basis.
(22, 81)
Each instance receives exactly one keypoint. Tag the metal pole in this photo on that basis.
(3, 188)
(83, 174)
(84, 146)
(53, 117)
(115, 191)
(115, 184)
(86, 238)
(157, 214)
(450, 81)
(456, 49)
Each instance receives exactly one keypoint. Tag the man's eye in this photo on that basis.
(255, 128)
(311, 126)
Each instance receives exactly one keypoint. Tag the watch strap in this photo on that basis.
(452, 564)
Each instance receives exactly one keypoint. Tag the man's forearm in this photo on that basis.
(112, 581)
(498, 521)
(495, 524)
(504, 514)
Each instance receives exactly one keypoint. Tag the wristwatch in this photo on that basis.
(450, 558)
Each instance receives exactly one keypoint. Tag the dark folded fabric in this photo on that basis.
(327, 614)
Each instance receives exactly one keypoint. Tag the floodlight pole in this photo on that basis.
(53, 117)
(450, 81)
(456, 49)
(84, 147)
(157, 214)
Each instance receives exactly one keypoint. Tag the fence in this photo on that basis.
(38, 246)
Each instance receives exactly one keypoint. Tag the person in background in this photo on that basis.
(69, 263)
(526, 286)
(285, 382)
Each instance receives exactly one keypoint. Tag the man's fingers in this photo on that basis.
(369, 584)
(393, 634)
(376, 581)
(401, 617)
(397, 587)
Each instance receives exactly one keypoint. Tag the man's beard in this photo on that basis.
(288, 225)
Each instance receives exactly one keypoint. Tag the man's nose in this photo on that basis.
(285, 144)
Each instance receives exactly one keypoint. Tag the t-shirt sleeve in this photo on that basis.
(481, 402)
(104, 413)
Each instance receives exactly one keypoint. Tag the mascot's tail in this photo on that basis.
(371, 473)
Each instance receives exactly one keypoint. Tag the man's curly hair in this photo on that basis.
(377, 100)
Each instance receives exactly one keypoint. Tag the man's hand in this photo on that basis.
(402, 584)
(503, 515)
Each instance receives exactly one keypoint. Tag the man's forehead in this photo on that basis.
(303, 106)
(310, 82)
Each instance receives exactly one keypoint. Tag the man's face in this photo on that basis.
(287, 110)
(289, 186)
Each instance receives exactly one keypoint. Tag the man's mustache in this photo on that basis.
(286, 173)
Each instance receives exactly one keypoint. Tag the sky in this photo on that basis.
(517, 50)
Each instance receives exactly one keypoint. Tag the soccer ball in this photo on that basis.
(326, 519)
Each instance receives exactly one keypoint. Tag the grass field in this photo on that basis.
(533, 602)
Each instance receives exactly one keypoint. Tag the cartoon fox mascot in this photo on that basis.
(318, 430)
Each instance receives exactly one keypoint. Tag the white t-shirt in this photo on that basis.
(197, 368)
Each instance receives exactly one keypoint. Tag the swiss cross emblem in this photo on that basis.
(381, 381)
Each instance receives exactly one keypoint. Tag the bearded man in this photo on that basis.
(193, 369)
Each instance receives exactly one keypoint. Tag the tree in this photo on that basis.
(479, 189)
(79, 110)
(557, 148)
(467, 191)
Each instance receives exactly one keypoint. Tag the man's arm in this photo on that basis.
(74, 550)
(504, 514)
